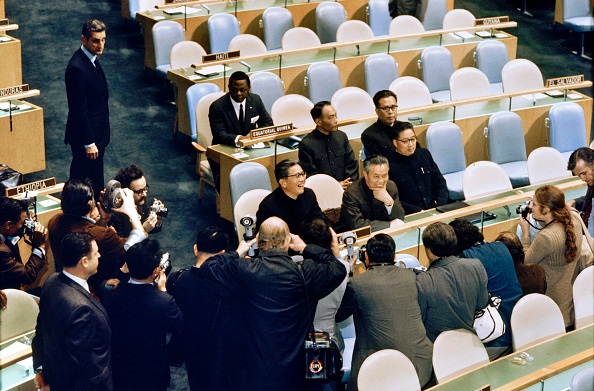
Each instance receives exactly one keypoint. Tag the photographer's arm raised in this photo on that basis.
(129, 208)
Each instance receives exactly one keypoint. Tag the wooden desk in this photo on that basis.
(248, 14)
(292, 66)
(23, 147)
(2, 12)
(10, 61)
(472, 121)
(550, 358)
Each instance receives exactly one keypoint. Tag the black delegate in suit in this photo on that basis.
(72, 338)
(88, 116)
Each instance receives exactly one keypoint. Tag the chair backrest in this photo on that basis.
(458, 18)
(299, 38)
(520, 75)
(352, 102)
(386, 370)
(329, 15)
(411, 92)
(437, 68)
(268, 86)
(166, 34)
(248, 45)
(221, 30)
(204, 136)
(381, 69)
(353, 30)
(245, 177)
(470, 354)
(276, 21)
(576, 8)
(193, 96)
(484, 178)
(583, 297)
(583, 380)
(491, 56)
(185, 53)
(535, 318)
(444, 141)
(323, 80)
(405, 25)
(328, 190)
(19, 316)
(567, 127)
(143, 5)
(466, 83)
(379, 16)
(292, 108)
(431, 13)
(505, 138)
(546, 164)
(247, 204)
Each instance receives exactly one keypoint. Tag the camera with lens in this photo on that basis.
(29, 226)
(248, 222)
(524, 209)
(159, 209)
(348, 239)
(112, 198)
(165, 264)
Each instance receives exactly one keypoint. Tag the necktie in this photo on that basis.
(99, 69)
(241, 119)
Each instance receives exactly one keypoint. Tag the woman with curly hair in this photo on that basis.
(556, 247)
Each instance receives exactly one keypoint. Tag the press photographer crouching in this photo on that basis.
(80, 213)
(151, 213)
(14, 225)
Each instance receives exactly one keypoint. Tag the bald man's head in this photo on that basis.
(274, 233)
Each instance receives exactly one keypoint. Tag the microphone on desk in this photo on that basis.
(245, 64)
(207, 8)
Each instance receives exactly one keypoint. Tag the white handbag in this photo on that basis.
(488, 322)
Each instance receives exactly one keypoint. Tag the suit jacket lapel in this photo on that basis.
(68, 281)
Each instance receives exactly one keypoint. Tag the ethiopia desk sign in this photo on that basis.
(29, 187)
(220, 56)
(565, 81)
(14, 90)
(270, 130)
(490, 21)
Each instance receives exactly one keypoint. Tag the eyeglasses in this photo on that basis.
(388, 109)
(411, 140)
(299, 175)
(140, 191)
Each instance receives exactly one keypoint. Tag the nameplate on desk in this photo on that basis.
(33, 186)
(4, 22)
(490, 21)
(220, 56)
(565, 81)
(175, 1)
(14, 90)
(362, 232)
(269, 130)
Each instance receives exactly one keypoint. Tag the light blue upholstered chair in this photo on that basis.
(491, 56)
(275, 22)
(431, 13)
(379, 16)
(507, 147)
(245, 177)
(323, 80)
(193, 96)
(444, 141)
(165, 35)
(268, 86)
(567, 127)
(437, 67)
(221, 30)
(381, 70)
(329, 15)
(583, 380)
(577, 16)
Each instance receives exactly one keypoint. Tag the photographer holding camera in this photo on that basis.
(13, 272)
(81, 214)
(151, 213)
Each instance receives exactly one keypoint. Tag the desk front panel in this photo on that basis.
(248, 14)
(10, 62)
(292, 69)
(22, 145)
(2, 12)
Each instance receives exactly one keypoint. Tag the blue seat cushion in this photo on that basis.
(581, 24)
(454, 182)
(517, 173)
(441, 96)
(497, 88)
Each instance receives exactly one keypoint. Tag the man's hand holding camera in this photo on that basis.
(129, 208)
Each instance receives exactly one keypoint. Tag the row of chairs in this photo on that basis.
(535, 318)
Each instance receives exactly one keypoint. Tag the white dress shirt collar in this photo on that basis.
(78, 280)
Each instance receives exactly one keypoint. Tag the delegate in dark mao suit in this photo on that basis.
(88, 111)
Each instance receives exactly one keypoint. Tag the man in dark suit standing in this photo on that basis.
(233, 115)
(71, 348)
(87, 128)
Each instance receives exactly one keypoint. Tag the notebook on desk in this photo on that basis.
(473, 218)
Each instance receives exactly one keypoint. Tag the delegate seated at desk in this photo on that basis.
(233, 115)
(377, 138)
(414, 171)
(326, 150)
